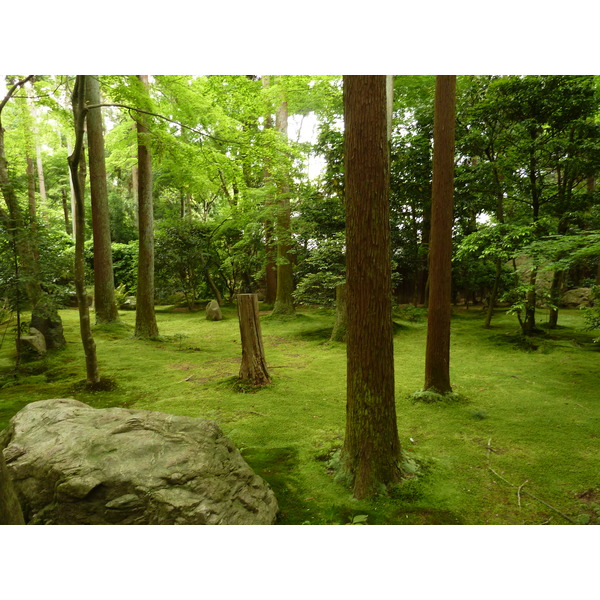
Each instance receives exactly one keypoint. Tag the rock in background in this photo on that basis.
(213, 311)
(45, 318)
(73, 464)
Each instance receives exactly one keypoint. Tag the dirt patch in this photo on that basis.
(183, 366)
(590, 496)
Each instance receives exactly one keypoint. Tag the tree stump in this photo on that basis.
(254, 366)
(341, 314)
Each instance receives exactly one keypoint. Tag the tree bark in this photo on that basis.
(77, 167)
(437, 356)
(254, 366)
(371, 449)
(284, 302)
(145, 318)
(104, 284)
(340, 329)
(10, 509)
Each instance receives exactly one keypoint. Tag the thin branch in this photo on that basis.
(152, 114)
(13, 89)
(534, 497)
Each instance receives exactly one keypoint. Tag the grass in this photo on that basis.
(527, 422)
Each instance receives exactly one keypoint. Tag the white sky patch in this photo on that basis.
(305, 129)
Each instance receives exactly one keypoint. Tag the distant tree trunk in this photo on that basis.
(284, 302)
(270, 246)
(437, 355)
(25, 246)
(254, 366)
(341, 314)
(104, 284)
(145, 318)
(371, 449)
(500, 218)
(77, 166)
(65, 205)
(73, 202)
(38, 154)
(10, 509)
(31, 189)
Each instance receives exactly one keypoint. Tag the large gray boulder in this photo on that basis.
(73, 464)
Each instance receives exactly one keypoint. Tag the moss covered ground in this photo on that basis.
(520, 448)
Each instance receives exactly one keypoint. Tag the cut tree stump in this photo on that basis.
(254, 366)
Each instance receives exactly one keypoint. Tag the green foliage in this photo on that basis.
(322, 270)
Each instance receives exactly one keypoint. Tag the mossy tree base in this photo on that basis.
(432, 396)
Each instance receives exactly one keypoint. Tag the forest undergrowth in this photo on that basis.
(521, 449)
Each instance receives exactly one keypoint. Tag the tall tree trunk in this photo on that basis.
(25, 246)
(270, 245)
(500, 218)
(31, 199)
(104, 283)
(284, 302)
(73, 201)
(65, 206)
(145, 318)
(437, 356)
(77, 167)
(371, 449)
(38, 155)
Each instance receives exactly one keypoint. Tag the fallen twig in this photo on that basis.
(534, 497)
(519, 492)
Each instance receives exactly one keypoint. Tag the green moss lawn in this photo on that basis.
(529, 428)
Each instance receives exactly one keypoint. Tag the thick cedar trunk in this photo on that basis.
(254, 366)
(371, 449)
(340, 328)
(77, 167)
(284, 302)
(104, 285)
(437, 356)
(10, 509)
(145, 318)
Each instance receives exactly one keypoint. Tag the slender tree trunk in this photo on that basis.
(77, 167)
(371, 449)
(104, 284)
(284, 302)
(254, 366)
(10, 509)
(25, 246)
(270, 245)
(498, 274)
(38, 155)
(437, 356)
(31, 189)
(145, 318)
(73, 201)
(65, 205)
